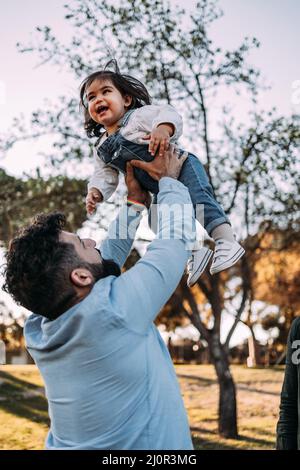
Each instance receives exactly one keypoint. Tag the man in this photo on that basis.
(109, 379)
(288, 426)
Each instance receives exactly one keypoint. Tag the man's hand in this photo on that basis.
(160, 138)
(93, 197)
(168, 164)
(135, 191)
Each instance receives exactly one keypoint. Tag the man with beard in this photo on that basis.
(109, 379)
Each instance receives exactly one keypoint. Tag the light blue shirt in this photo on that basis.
(109, 378)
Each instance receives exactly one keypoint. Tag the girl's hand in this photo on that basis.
(160, 138)
(93, 197)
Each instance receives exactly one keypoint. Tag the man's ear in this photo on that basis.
(81, 277)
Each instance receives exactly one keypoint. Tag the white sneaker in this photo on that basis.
(226, 255)
(197, 264)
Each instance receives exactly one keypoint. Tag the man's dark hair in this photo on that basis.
(126, 84)
(38, 268)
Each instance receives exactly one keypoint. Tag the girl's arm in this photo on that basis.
(104, 178)
(149, 117)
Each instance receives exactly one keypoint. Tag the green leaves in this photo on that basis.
(20, 200)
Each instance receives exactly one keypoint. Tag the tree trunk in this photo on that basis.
(218, 356)
(227, 392)
(254, 350)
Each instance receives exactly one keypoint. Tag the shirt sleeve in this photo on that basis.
(287, 426)
(121, 234)
(150, 116)
(139, 293)
(104, 178)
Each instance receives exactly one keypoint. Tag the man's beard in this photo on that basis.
(110, 268)
(107, 267)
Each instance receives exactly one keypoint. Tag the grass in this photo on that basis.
(258, 395)
(23, 408)
(24, 418)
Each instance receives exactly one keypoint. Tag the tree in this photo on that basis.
(11, 329)
(20, 199)
(177, 59)
(277, 282)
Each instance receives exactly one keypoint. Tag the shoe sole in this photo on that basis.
(201, 268)
(227, 264)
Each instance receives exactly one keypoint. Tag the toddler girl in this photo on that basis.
(118, 110)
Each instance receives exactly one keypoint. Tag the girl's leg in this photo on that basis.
(200, 254)
(211, 215)
(208, 211)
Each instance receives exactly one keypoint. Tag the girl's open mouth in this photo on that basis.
(102, 110)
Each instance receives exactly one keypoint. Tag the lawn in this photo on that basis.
(258, 396)
(24, 418)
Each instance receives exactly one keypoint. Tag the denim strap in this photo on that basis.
(125, 118)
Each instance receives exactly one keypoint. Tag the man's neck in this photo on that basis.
(81, 294)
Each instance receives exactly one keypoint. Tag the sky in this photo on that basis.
(24, 86)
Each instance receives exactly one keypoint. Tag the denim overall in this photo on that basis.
(115, 151)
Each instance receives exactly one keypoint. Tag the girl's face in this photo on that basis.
(106, 105)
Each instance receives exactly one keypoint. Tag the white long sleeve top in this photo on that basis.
(142, 121)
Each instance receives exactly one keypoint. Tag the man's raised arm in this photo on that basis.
(141, 292)
(122, 230)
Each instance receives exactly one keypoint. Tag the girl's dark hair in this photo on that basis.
(126, 85)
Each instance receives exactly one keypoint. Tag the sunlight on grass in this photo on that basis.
(258, 393)
(24, 418)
